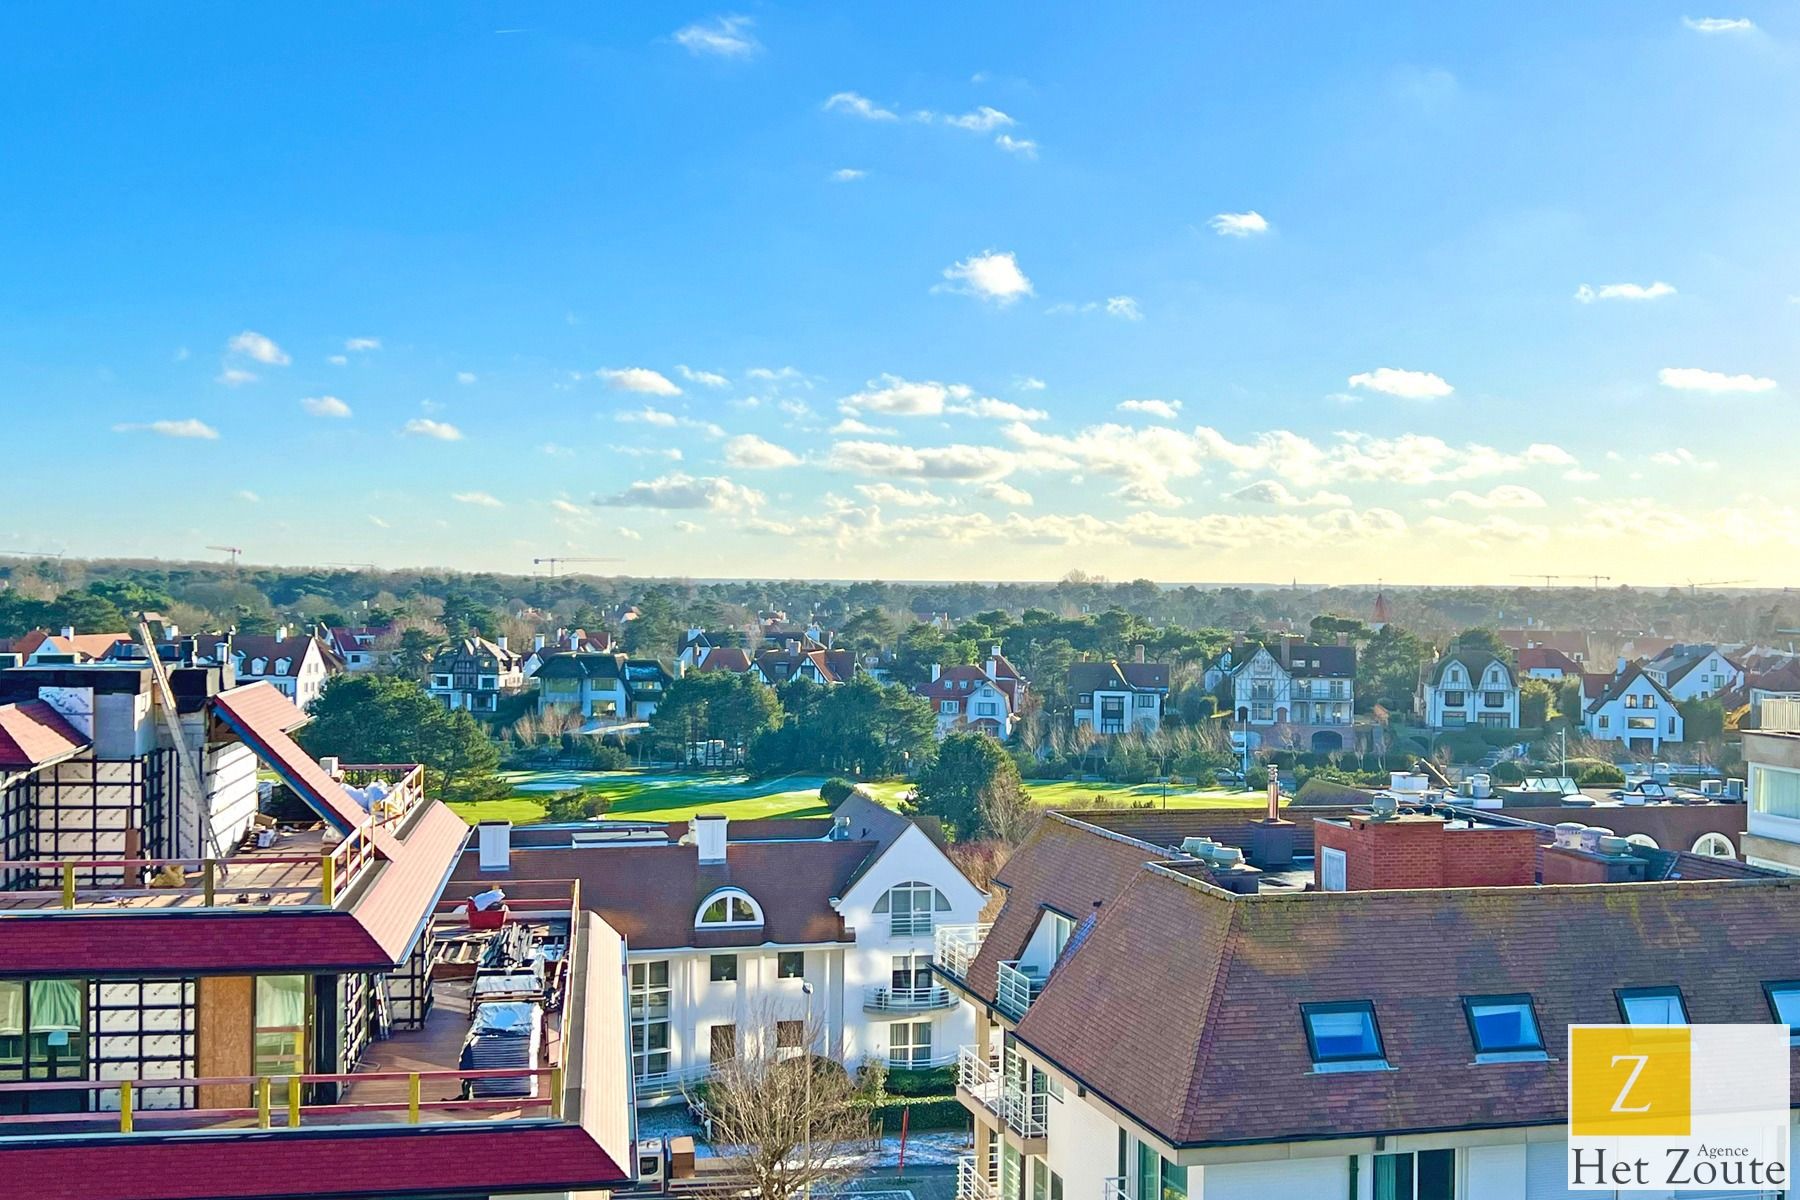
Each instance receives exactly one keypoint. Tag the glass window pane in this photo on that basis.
(12, 1007)
(1502, 1025)
(1344, 1034)
(1393, 1177)
(1436, 1170)
(1661, 1006)
(56, 1006)
(715, 913)
(1785, 998)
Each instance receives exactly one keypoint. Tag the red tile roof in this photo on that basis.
(1547, 658)
(263, 717)
(33, 734)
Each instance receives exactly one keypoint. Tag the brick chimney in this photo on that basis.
(1419, 850)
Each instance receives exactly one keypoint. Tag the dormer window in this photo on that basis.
(727, 909)
(1343, 1036)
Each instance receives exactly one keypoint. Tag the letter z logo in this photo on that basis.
(1633, 1081)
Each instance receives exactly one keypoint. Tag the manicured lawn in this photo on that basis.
(652, 796)
(1064, 792)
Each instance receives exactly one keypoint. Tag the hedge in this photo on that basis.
(1329, 792)
(930, 1112)
(914, 1083)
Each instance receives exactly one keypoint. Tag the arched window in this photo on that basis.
(1644, 840)
(728, 907)
(1715, 845)
(910, 907)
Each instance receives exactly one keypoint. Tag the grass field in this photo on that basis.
(645, 796)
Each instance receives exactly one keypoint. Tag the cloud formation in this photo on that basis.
(1168, 410)
(1239, 225)
(754, 453)
(1587, 294)
(720, 37)
(259, 347)
(990, 275)
(325, 406)
(478, 499)
(1695, 379)
(638, 379)
(683, 491)
(187, 427)
(855, 104)
(1408, 385)
(1719, 24)
(425, 427)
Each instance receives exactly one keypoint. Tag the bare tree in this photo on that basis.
(784, 1119)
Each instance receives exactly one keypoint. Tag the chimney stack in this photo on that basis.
(710, 837)
(500, 641)
(1343, 639)
(68, 631)
(537, 642)
(936, 670)
(281, 632)
(1137, 653)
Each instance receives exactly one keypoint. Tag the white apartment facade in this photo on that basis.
(767, 928)
(1635, 710)
(1694, 672)
(1469, 688)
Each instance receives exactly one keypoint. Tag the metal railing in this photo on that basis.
(276, 1102)
(1015, 989)
(917, 924)
(1025, 1111)
(972, 1182)
(956, 947)
(893, 999)
(1115, 1187)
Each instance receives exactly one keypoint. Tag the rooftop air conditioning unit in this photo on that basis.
(1568, 834)
(1385, 806)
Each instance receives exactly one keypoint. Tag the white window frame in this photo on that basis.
(729, 895)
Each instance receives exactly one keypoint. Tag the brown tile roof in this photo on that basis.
(735, 659)
(33, 734)
(1547, 658)
(651, 893)
(1182, 1007)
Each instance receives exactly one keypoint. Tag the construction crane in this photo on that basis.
(358, 566)
(1537, 575)
(1598, 579)
(234, 551)
(1694, 587)
(553, 560)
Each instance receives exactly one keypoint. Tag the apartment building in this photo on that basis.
(1694, 672)
(737, 926)
(1115, 697)
(987, 698)
(1217, 1006)
(199, 1001)
(609, 689)
(1465, 688)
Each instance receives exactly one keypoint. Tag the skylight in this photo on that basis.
(1652, 1006)
(1343, 1036)
(1503, 1028)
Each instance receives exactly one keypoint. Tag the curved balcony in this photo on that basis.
(906, 1000)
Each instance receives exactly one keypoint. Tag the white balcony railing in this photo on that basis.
(955, 948)
(1016, 988)
(893, 999)
(973, 1183)
(1114, 1187)
(914, 924)
(1024, 1111)
(1027, 1112)
(980, 1078)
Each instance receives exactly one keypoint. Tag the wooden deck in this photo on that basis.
(246, 878)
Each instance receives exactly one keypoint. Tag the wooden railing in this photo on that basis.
(213, 885)
(287, 1103)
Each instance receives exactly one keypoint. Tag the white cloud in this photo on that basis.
(668, 420)
(252, 344)
(749, 451)
(956, 461)
(337, 360)
(479, 499)
(1408, 385)
(1587, 294)
(1124, 307)
(857, 105)
(1270, 491)
(1719, 24)
(1143, 459)
(249, 497)
(236, 376)
(711, 379)
(465, 377)
(569, 508)
(672, 453)
(685, 491)
(1023, 147)
(425, 427)
(1506, 495)
(325, 406)
(1006, 493)
(1694, 379)
(899, 497)
(629, 534)
(638, 379)
(688, 527)
(987, 408)
(779, 375)
(377, 522)
(989, 275)
(721, 37)
(357, 344)
(188, 427)
(852, 426)
(899, 397)
(1681, 456)
(1030, 383)
(848, 175)
(1244, 224)
(984, 119)
(1166, 409)
(555, 450)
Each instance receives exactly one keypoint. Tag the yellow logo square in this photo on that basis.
(1630, 1081)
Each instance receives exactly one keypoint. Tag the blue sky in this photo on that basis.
(1406, 291)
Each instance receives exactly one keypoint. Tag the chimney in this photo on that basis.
(993, 663)
(500, 641)
(537, 642)
(1137, 653)
(1343, 639)
(574, 639)
(936, 670)
(709, 836)
(281, 632)
(68, 631)
(1237, 642)
(495, 842)
(1283, 648)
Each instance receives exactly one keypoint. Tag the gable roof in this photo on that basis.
(84, 647)
(33, 734)
(248, 647)
(1547, 658)
(1475, 662)
(945, 686)
(734, 659)
(1201, 1072)
(1115, 676)
(1621, 683)
(1679, 660)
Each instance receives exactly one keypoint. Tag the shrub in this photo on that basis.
(1507, 772)
(836, 790)
(1258, 778)
(932, 1112)
(575, 805)
(1284, 760)
(1321, 791)
(1599, 774)
(927, 1082)
(608, 758)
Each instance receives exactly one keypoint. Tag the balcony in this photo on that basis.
(296, 869)
(1016, 988)
(906, 1000)
(563, 1109)
(1115, 1187)
(1019, 1110)
(972, 1182)
(915, 924)
(956, 946)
